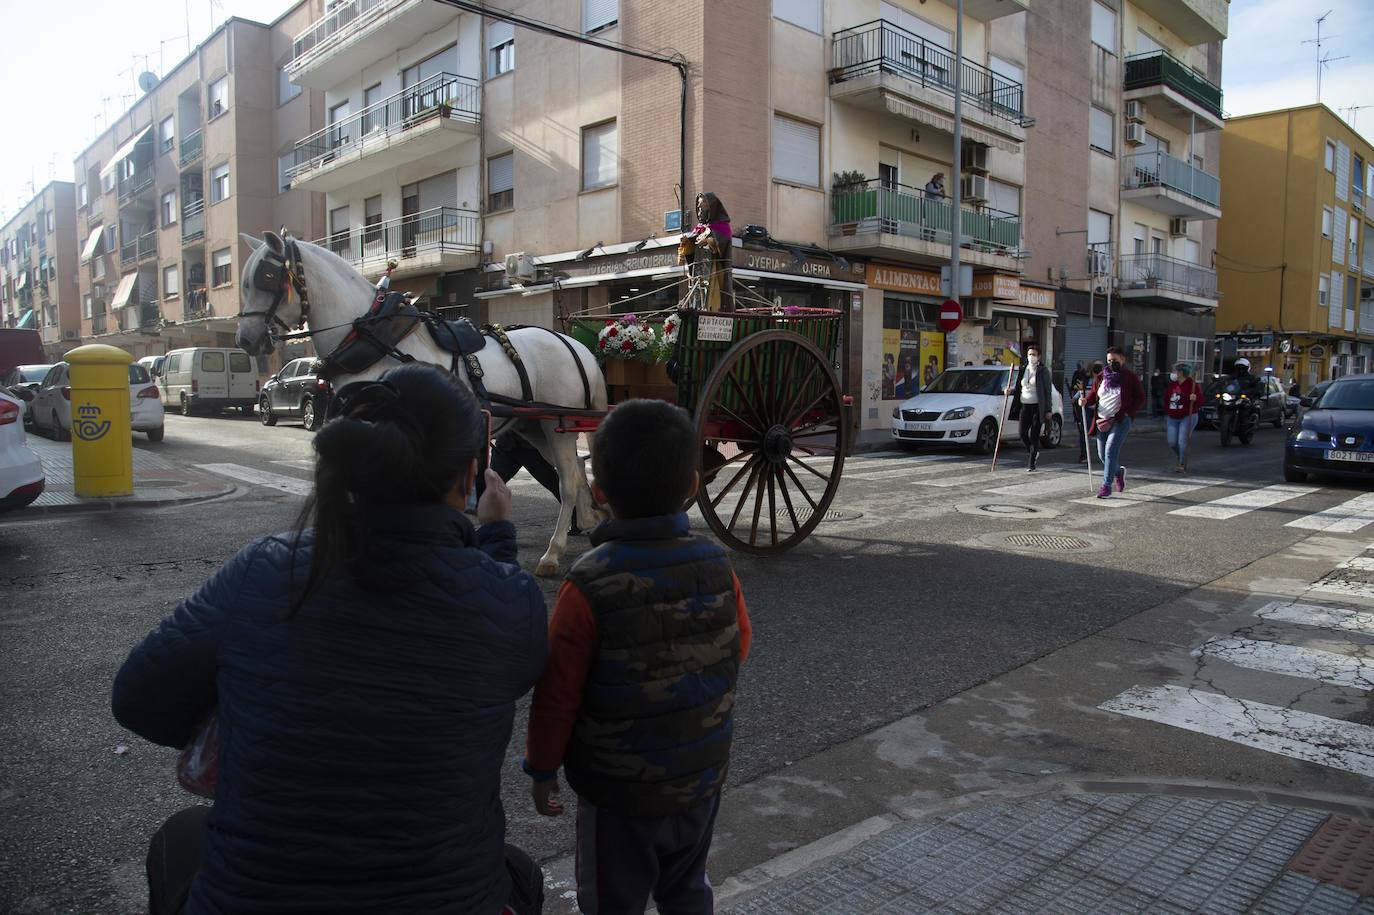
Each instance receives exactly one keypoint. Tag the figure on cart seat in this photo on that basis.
(706, 252)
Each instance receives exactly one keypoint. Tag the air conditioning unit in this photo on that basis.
(1366, 293)
(520, 266)
(1135, 134)
(974, 158)
(69, 335)
(974, 188)
(980, 311)
(1178, 226)
(1135, 111)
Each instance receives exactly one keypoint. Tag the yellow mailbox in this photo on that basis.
(102, 441)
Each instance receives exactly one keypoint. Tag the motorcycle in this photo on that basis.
(1237, 414)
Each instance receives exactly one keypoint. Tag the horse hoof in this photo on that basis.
(547, 568)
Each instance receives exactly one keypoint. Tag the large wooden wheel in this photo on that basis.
(772, 421)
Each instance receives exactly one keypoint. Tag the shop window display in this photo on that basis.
(913, 349)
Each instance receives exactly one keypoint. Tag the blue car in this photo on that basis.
(1335, 437)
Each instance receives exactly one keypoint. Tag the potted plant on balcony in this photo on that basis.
(851, 202)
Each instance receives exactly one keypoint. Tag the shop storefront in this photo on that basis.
(1020, 314)
(913, 350)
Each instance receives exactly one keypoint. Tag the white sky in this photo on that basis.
(58, 90)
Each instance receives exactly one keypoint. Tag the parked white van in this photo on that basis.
(208, 378)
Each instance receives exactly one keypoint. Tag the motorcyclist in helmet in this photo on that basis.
(1248, 382)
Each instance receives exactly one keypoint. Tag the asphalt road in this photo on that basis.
(910, 598)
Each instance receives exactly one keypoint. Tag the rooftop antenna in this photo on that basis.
(1353, 112)
(1322, 60)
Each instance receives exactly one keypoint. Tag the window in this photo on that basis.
(52, 222)
(1354, 239)
(338, 113)
(796, 151)
(219, 183)
(1190, 251)
(223, 266)
(600, 156)
(169, 208)
(212, 361)
(805, 13)
(171, 286)
(107, 181)
(1003, 197)
(83, 195)
(501, 183)
(1193, 351)
(166, 134)
(97, 268)
(1101, 129)
(598, 14)
(238, 362)
(1009, 71)
(1100, 233)
(372, 220)
(1326, 222)
(219, 97)
(1330, 160)
(338, 231)
(1104, 27)
(284, 164)
(1323, 290)
(286, 90)
(1145, 43)
(500, 48)
(445, 61)
(1357, 181)
(86, 306)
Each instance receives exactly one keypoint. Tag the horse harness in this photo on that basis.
(278, 274)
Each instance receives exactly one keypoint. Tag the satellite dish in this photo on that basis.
(147, 80)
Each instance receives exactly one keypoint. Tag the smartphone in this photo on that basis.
(483, 460)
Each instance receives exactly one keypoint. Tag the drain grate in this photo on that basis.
(1048, 542)
(1341, 851)
(834, 514)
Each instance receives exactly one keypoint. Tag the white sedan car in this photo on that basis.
(963, 406)
(52, 408)
(21, 472)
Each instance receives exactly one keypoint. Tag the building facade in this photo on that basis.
(163, 194)
(38, 281)
(1125, 191)
(1294, 261)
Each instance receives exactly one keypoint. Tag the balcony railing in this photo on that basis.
(147, 245)
(334, 28)
(128, 253)
(440, 96)
(1159, 169)
(1158, 271)
(1160, 68)
(896, 209)
(442, 230)
(193, 221)
(192, 145)
(98, 324)
(140, 182)
(880, 47)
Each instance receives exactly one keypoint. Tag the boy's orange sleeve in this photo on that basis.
(746, 631)
(558, 694)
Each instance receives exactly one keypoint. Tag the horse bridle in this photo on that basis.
(278, 275)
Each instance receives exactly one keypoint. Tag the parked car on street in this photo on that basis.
(153, 364)
(21, 471)
(962, 406)
(1271, 401)
(206, 378)
(52, 407)
(295, 391)
(22, 381)
(1335, 436)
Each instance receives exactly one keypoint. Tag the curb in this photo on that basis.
(211, 491)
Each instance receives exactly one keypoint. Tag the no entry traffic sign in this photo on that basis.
(951, 314)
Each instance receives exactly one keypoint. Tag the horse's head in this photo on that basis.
(269, 300)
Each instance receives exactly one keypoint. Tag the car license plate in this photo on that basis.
(920, 427)
(1365, 456)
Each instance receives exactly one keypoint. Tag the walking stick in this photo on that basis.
(1087, 451)
(1191, 421)
(1001, 419)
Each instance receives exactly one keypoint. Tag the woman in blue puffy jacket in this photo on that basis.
(364, 669)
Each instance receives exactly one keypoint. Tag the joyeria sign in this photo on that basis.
(88, 424)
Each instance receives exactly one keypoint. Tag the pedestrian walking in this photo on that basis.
(1083, 414)
(363, 670)
(1034, 402)
(647, 638)
(1183, 402)
(1118, 396)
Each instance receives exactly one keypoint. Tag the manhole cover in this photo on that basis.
(1007, 510)
(834, 514)
(1049, 542)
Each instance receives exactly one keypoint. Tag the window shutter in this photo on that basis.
(498, 33)
(1338, 235)
(600, 147)
(439, 191)
(598, 13)
(796, 151)
(501, 174)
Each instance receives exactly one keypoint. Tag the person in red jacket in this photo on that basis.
(1118, 396)
(1182, 402)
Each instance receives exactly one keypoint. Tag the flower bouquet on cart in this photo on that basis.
(632, 351)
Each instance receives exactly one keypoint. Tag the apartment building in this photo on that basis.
(1125, 191)
(38, 269)
(162, 195)
(1294, 261)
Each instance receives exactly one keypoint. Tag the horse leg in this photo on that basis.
(560, 450)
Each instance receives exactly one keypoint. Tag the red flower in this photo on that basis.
(604, 341)
(610, 323)
(627, 345)
(613, 332)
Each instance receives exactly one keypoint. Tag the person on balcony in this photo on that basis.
(935, 187)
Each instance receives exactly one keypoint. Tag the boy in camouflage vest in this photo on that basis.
(636, 700)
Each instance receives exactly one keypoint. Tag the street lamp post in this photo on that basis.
(956, 232)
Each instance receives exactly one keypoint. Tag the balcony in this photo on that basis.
(1173, 91)
(1157, 279)
(877, 219)
(98, 324)
(192, 145)
(428, 118)
(1159, 182)
(329, 50)
(1195, 21)
(142, 181)
(193, 221)
(883, 68)
(432, 241)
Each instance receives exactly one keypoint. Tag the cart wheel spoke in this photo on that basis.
(758, 504)
(787, 500)
(800, 488)
(749, 465)
(808, 468)
(744, 497)
(772, 504)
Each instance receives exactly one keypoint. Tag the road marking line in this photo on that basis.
(1293, 661)
(303, 464)
(982, 476)
(1348, 587)
(1337, 618)
(1150, 492)
(1298, 735)
(1243, 502)
(1346, 518)
(915, 471)
(1061, 482)
(293, 485)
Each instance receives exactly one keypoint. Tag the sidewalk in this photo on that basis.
(156, 482)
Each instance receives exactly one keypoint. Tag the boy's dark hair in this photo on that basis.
(644, 457)
(1115, 351)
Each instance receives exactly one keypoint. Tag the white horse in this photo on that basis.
(336, 294)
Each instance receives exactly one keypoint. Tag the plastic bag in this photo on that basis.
(198, 765)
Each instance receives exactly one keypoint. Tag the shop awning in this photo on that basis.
(124, 291)
(93, 245)
(942, 122)
(25, 320)
(124, 152)
(790, 278)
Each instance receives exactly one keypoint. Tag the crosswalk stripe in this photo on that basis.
(1346, 518)
(1243, 502)
(1336, 583)
(982, 476)
(1150, 492)
(1292, 661)
(293, 485)
(1045, 486)
(304, 464)
(913, 471)
(1299, 735)
(1337, 618)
